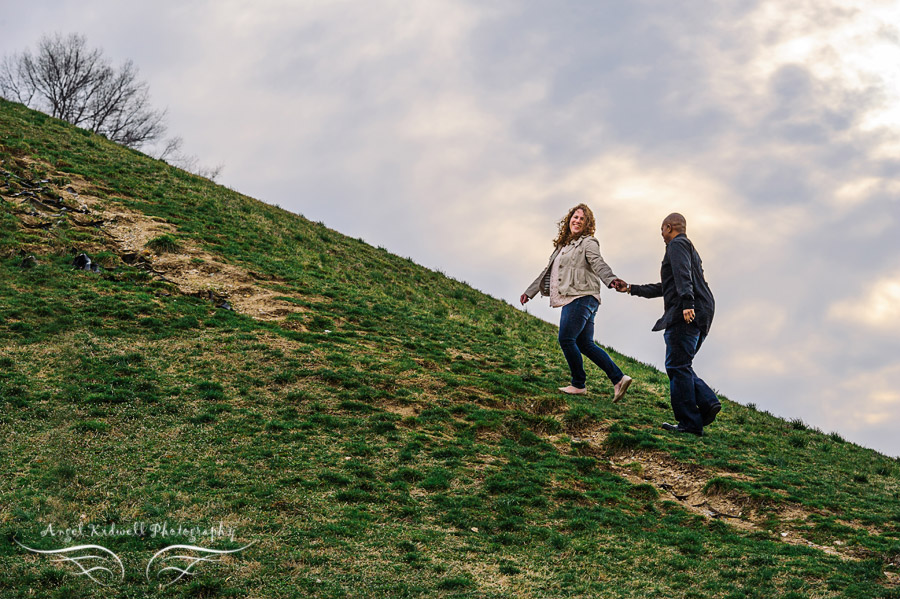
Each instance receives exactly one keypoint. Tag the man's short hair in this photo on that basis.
(676, 221)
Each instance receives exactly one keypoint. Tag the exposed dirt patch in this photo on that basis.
(404, 410)
(686, 484)
(893, 579)
(192, 270)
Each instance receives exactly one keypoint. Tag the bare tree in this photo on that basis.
(67, 80)
(171, 153)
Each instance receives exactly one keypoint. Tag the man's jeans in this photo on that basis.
(576, 337)
(692, 399)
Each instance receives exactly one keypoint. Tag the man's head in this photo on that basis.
(673, 226)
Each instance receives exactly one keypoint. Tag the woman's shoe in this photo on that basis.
(621, 387)
(573, 390)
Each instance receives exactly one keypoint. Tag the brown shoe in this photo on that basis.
(573, 390)
(621, 387)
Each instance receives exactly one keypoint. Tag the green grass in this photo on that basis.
(415, 449)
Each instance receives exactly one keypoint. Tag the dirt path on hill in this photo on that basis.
(686, 484)
(192, 270)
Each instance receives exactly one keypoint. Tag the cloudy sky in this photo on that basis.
(458, 132)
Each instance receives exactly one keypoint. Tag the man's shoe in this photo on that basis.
(573, 390)
(620, 388)
(673, 428)
(711, 415)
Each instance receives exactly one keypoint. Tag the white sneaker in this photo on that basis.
(620, 388)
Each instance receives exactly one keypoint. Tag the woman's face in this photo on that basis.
(576, 223)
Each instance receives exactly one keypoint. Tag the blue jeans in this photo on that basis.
(576, 337)
(692, 399)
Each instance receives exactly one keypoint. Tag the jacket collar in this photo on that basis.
(572, 244)
(576, 242)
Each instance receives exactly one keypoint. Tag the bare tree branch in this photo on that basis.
(172, 148)
(68, 81)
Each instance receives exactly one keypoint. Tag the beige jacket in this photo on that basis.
(580, 271)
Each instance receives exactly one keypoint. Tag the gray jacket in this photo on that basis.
(581, 270)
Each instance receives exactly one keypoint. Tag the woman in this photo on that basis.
(572, 279)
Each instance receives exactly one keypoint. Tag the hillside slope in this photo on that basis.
(371, 427)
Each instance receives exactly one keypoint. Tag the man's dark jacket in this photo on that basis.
(683, 287)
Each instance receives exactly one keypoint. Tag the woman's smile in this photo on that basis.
(576, 223)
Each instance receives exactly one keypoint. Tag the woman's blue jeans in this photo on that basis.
(576, 337)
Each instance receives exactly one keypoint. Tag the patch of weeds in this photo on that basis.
(643, 492)
(319, 324)
(455, 583)
(798, 425)
(623, 440)
(798, 441)
(437, 479)
(91, 426)
(884, 469)
(410, 475)
(163, 244)
(210, 390)
(578, 418)
(355, 406)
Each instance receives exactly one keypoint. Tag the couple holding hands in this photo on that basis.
(573, 279)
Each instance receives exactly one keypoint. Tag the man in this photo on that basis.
(689, 309)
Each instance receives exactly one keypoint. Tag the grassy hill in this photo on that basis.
(373, 428)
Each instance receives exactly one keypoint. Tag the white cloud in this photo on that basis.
(877, 308)
(865, 399)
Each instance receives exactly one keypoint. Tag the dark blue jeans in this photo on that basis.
(576, 337)
(691, 398)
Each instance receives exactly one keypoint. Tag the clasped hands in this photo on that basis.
(623, 287)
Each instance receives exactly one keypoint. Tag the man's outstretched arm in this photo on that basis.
(650, 290)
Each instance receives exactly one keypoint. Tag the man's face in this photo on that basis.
(668, 233)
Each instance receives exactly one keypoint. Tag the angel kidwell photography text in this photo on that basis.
(167, 551)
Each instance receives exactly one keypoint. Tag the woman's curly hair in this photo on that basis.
(565, 235)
